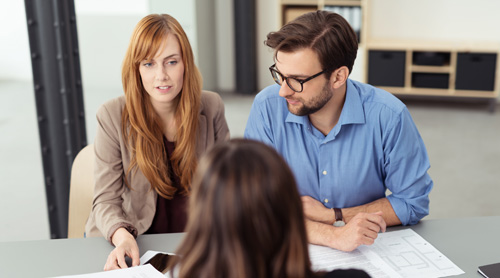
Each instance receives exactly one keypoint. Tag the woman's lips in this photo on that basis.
(163, 89)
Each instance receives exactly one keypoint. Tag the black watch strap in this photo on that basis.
(338, 214)
(339, 222)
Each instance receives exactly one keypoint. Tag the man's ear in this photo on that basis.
(339, 77)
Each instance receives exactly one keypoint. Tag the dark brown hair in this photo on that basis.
(245, 217)
(326, 33)
(142, 126)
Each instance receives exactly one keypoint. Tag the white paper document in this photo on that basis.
(325, 258)
(401, 253)
(142, 271)
(412, 256)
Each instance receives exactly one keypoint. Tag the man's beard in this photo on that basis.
(315, 104)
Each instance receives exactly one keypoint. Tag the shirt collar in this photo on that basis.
(352, 111)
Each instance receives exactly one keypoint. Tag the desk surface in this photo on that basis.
(468, 242)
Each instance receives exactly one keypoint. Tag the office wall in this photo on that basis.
(226, 76)
(206, 36)
(15, 60)
(267, 21)
(435, 19)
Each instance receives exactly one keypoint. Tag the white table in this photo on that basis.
(468, 242)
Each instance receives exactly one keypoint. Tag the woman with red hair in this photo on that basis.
(148, 141)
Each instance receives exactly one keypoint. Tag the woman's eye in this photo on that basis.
(172, 62)
(148, 64)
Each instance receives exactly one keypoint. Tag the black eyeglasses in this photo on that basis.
(295, 84)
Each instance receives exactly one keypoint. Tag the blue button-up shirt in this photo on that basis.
(373, 151)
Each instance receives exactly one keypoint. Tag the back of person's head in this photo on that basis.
(326, 33)
(245, 216)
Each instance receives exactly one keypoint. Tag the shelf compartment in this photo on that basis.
(431, 58)
(386, 68)
(430, 80)
(476, 71)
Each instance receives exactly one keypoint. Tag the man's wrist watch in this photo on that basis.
(339, 222)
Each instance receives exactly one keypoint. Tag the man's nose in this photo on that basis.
(285, 90)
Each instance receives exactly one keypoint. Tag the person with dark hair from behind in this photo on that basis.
(357, 156)
(148, 142)
(245, 218)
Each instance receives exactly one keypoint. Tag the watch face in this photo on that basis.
(339, 223)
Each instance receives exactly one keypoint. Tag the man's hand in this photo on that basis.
(363, 229)
(316, 211)
(125, 245)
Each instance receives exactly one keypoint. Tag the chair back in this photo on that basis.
(81, 191)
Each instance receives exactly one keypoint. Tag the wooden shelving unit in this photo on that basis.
(433, 68)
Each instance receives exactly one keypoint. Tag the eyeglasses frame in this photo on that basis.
(301, 82)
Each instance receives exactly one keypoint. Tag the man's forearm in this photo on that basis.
(383, 205)
(320, 234)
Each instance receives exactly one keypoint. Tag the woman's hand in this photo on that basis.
(125, 245)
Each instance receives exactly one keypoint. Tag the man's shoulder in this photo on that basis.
(378, 99)
(268, 94)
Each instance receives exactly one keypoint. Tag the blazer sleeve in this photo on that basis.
(109, 173)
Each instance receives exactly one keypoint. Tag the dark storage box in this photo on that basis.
(386, 68)
(430, 80)
(476, 71)
(431, 58)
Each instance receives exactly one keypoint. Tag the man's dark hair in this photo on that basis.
(326, 33)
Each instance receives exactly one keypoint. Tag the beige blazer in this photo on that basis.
(116, 205)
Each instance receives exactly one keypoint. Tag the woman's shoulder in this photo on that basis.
(112, 108)
(209, 97)
(114, 103)
(211, 102)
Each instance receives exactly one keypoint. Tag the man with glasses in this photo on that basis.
(357, 156)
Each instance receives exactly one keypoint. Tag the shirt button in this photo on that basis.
(324, 173)
(326, 200)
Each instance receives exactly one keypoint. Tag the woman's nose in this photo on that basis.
(161, 73)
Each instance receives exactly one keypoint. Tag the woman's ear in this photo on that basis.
(339, 77)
